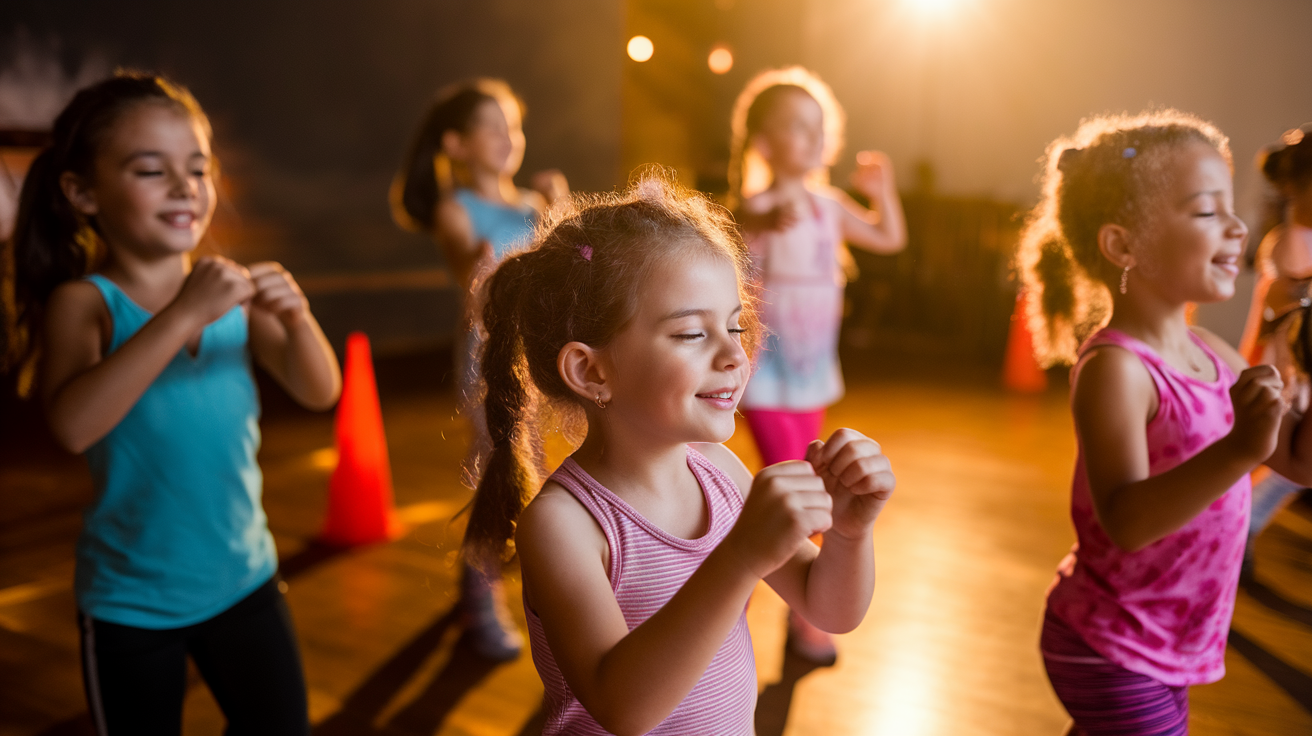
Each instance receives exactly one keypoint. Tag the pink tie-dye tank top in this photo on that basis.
(1165, 610)
(647, 567)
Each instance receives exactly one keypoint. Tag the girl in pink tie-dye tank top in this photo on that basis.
(1137, 222)
(639, 554)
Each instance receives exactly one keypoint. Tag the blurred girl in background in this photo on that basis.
(457, 184)
(1284, 263)
(1137, 222)
(145, 366)
(787, 131)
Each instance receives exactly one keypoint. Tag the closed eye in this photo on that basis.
(689, 335)
(737, 330)
(1204, 214)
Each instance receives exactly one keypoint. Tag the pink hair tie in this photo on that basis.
(585, 250)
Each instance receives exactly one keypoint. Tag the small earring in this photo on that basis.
(1125, 280)
(600, 402)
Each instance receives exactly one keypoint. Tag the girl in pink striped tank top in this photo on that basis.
(630, 314)
(1137, 222)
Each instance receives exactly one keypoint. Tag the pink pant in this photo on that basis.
(783, 435)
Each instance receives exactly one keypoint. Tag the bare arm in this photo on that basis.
(630, 681)
(1114, 398)
(287, 341)
(86, 394)
(883, 230)
(465, 254)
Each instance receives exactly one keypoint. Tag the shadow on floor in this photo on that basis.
(777, 697)
(1295, 683)
(313, 555)
(1276, 602)
(426, 712)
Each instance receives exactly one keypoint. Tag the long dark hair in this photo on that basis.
(52, 241)
(425, 172)
(579, 281)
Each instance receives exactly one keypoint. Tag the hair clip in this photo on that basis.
(1128, 152)
(585, 250)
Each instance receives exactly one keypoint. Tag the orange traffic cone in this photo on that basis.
(360, 491)
(1020, 371)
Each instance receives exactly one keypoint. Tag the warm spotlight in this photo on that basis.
(933, 7)
(640, 48)
(720, 60)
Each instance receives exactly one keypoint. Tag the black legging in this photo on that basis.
(136, 679)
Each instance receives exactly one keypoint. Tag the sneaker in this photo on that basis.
(810, 643)
(488, 626)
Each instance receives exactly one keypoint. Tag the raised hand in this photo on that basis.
(214, 286)
(1258, 409)
(873, 176)
(551, 184)
(857, 475)
(278, 293)
(787, 504)
(783, 215)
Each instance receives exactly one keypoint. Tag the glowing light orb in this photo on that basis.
(641, 48)
(720, 60)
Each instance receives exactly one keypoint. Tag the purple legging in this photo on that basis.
(783, 435)
(1104, 698)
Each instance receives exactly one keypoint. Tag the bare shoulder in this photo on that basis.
(728, 463)
(75, 306)
(1221, 348)
(554, 517)
(1109, 376)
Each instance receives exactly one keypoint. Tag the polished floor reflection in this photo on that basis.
(965, 552)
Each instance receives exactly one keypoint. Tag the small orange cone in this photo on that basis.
(360, 492)
(1020, 371)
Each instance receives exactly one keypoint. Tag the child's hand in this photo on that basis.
(874, 174)
(214, 286)
(858, 476)
(551, 184)
(787, 504)
(278, 293)
(783, 215)
(1258, 408)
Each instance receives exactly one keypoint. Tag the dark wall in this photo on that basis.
(314, 102)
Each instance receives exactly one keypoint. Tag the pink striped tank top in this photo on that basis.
(1165, 610)
(647, 567)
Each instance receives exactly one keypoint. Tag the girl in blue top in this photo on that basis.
(457, 184)
(145, 366)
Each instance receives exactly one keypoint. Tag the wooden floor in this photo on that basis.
(965, 551)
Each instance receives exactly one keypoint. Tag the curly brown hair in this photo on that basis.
(1109, 171)
(580, 280)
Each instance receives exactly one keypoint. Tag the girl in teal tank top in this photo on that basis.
(146, 368)
(457, 184)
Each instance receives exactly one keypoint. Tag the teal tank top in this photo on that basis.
(501, 226)
(177, 534)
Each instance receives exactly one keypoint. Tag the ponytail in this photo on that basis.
(52, 241)
(510, 475)
(426, 176)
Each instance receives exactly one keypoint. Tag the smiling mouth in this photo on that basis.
(178, 219)
(717, 395)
